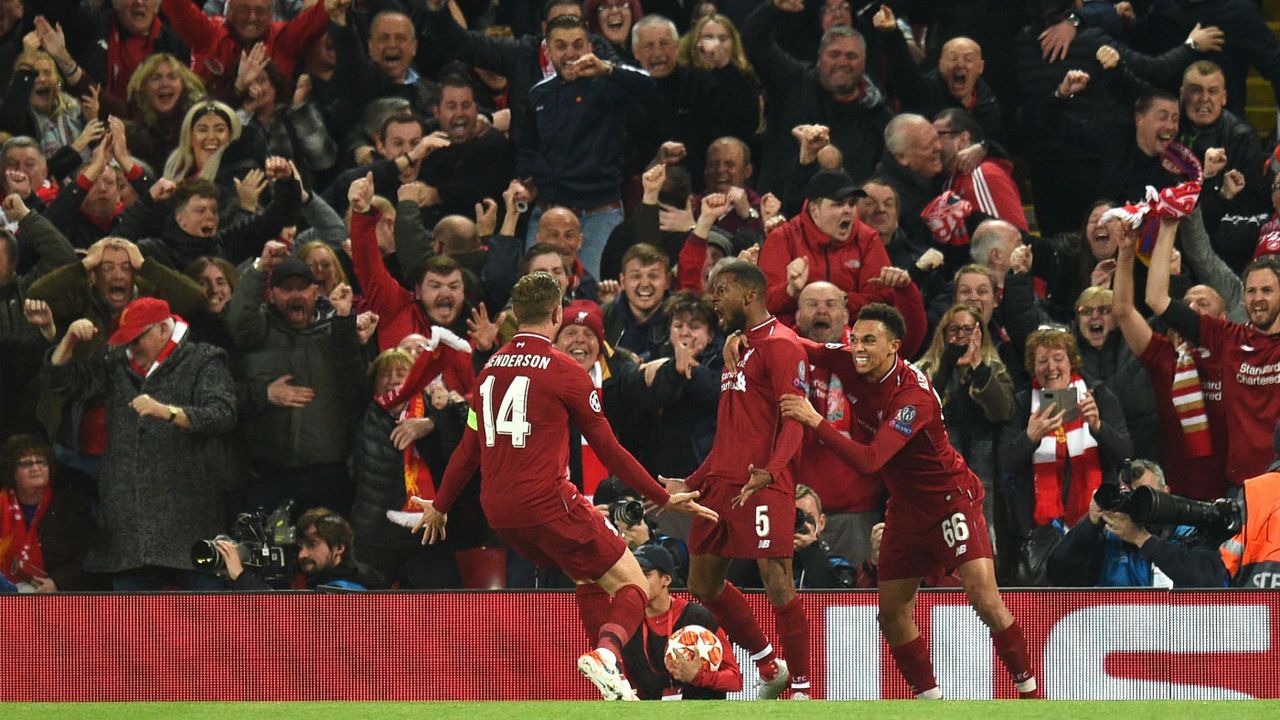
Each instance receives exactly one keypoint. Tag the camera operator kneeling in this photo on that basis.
(1108, 548)
(326, 557)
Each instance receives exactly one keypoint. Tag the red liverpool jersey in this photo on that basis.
(1249, 361)
(750, 429)
(518, 433)
(897, 429)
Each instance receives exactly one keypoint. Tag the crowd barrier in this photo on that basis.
(1088, 644)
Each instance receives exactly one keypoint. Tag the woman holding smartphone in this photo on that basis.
(1066, 438)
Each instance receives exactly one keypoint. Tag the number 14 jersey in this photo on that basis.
(519, 429)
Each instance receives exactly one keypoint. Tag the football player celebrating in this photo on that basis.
(933, 522)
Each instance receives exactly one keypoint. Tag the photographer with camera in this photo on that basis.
(814, 565)
(1112, 546)
(326, 556)
(626, 511)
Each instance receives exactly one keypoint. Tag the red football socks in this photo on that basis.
(594, 605)
(793, 631)
(1011, 647)
(734, 615)
(913, 661)
(624, 617)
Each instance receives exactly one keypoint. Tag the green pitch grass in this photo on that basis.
(880, 710)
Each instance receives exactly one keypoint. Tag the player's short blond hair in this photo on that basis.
(535, 297)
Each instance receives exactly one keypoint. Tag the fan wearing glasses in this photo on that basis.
(1105, 356)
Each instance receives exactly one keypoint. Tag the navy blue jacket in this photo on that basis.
(573, 136)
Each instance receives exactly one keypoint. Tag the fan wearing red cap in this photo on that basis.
(581, 337)
(165, 400)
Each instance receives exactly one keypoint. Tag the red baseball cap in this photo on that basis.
(587, 314)
(1268, 244)
(137, 317)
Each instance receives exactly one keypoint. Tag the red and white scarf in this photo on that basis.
(21, 558)
(1070, 445)
(418, 480)
(1188, 403)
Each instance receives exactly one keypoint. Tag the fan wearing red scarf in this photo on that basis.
(45, 521)
(25, 469)
(1059, 455)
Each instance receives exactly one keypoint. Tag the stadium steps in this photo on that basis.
(1260, 109)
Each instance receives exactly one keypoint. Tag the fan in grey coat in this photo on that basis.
(160, 490)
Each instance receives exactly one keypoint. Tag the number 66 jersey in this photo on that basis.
(518, 434)
(934, 520)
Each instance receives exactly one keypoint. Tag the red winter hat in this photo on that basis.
(586, 313)
(137, 317)
(1268, 244)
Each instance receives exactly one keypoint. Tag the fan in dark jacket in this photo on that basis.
(192, 230)
(834, 93)
(167, 402)
(414, 440)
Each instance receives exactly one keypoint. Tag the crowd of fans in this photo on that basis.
(230, 227)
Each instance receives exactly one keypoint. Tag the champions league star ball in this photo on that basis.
(696, 642)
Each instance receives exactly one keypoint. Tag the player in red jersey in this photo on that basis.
(934, 522)
(753, 443)
(518, 435)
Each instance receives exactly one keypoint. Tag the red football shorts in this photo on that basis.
(764, 527)
(579, 542)
(932, 534)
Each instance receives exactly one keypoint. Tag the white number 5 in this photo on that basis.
(511, 412)
(955, 530)
(762, 520)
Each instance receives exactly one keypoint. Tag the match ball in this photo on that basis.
(694, 642)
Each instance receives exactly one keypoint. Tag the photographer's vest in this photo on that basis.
(1253, 555)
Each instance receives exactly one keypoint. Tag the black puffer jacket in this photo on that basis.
(378, 470)
(1115, 365)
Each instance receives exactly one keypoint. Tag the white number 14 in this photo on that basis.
(511, 412)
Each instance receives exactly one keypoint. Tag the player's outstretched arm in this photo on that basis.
(684, 502)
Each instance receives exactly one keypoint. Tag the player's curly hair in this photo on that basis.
(886, 315)
(745, 274)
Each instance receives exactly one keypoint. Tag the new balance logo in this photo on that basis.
(960, 550)
(764, 545)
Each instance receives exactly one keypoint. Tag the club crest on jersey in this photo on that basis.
(902, 421)
(798, 381)
(745, 356)
(594, 400)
